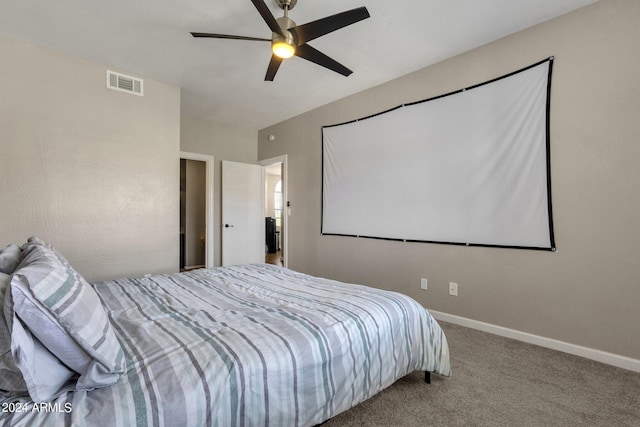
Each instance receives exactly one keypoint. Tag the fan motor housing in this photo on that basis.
(285, 22)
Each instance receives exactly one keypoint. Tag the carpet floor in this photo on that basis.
(498, 381)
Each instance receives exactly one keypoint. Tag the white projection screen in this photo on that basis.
(470, 167)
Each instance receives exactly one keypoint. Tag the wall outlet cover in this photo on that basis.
(453, 289)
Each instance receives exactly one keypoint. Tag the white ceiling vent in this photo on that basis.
(124, 83)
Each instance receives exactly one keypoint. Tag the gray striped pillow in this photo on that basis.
(9, 258)
(66, 315)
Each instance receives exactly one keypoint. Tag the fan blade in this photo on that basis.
(309, 31)
(268, 17)
(229, 36)
(274, 64)
(310, 54)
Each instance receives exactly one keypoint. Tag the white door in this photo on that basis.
(243, 238)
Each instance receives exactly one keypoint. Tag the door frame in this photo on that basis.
(285, 199)
(209, 190)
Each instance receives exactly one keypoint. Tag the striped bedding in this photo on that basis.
(253, 345)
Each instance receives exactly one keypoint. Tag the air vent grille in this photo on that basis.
(124, 83)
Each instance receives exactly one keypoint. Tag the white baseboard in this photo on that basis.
(589, 353)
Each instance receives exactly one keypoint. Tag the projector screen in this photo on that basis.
(470, 167)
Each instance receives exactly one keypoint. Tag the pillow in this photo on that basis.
(11, 381)
(62, 311)
(9, 258)
(34, 240)
(26, 366)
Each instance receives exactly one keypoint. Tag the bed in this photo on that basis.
(247, 345)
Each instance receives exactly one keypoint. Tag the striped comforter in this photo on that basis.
(254, 345)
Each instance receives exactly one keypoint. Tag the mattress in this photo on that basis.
(250, 345)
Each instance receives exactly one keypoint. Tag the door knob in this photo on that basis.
(228, 225)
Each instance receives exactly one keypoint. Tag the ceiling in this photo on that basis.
(223, 80)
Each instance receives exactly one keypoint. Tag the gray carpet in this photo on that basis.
(497, 381)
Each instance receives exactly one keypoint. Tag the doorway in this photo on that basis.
(276, 210)
(196, 211)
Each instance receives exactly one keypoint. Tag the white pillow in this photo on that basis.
(26, 365)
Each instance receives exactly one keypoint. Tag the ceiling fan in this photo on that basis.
(288, 39)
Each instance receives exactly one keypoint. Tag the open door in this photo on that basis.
(278, 166)
(209, 186)
(242, 213)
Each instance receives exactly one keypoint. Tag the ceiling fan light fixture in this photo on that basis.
(283, 48)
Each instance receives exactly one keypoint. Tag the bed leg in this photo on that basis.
(427, 377)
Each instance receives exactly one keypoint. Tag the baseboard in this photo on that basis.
(192, 267)
(589, 353)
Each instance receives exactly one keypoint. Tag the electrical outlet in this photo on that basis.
(453, 289)
(423, 283)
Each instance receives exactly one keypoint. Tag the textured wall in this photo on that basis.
(91, 170)
(587, 293)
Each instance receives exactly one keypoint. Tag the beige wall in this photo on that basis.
(91, 170)
(588, 292)
(224, 143)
